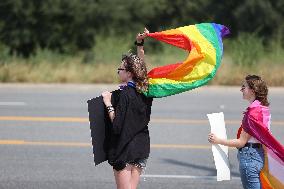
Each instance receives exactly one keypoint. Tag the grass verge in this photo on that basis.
(244, 55)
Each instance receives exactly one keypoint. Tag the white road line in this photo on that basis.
(186, 177)
(13, 103)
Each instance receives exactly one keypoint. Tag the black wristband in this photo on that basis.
(139, 44)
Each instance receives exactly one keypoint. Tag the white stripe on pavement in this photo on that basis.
(13, 103)
(186, 177)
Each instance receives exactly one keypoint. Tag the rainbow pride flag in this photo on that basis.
(205, 49)
(272, 174)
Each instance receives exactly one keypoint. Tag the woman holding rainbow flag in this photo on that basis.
(260, 155)
(129, 145)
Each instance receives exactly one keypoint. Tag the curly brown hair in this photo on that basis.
(137, 67)
(259, 87)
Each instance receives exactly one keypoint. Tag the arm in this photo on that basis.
(117, 118)
(140, 49)
(107, 101)
(238, 143)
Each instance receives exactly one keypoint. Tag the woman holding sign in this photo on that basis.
(253, 136)
(130, 141)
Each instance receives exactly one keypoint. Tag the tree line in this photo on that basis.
(69, 26)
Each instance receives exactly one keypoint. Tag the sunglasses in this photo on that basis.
(120, 69)
(244, 86)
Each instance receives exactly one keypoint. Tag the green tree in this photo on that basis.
(61, 25)
(71, 25)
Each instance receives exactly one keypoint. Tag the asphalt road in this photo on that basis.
(45, 137)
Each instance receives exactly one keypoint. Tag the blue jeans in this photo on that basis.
(251, 161)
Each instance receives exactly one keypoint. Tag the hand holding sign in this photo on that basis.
(220, 152)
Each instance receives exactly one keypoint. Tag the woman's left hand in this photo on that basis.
(107, 98)
(212, 138)
(141, 36)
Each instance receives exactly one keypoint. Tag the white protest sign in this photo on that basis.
(220, 152)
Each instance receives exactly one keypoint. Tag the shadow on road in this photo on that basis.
(211, 171)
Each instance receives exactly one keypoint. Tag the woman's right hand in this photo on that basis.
(141, 36)
(213, 139)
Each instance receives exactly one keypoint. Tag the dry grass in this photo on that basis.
(77, 72)
(232, 74)
(58, 73)
(99, 64)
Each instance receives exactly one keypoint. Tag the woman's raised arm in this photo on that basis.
(140, 42)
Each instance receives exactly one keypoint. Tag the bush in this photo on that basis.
(246, 49)
(4, 53)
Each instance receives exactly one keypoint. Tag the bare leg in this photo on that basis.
(123, 178)
(135, 176)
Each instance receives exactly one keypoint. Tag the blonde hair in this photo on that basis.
(137, 67)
